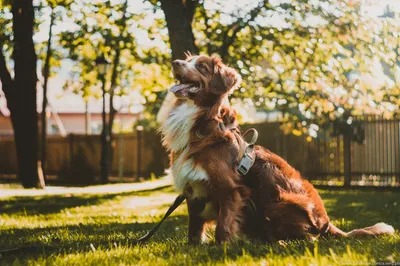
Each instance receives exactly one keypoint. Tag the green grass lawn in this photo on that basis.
(96, 226)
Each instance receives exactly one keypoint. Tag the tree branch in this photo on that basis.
(238, 26)
(114, 73)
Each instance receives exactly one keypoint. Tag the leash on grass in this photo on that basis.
(19, 249)
(247, 158)
(171, 209)
(178, 201)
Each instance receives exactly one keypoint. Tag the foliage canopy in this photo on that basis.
(313, 61)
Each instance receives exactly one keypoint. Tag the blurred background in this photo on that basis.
(82, 83)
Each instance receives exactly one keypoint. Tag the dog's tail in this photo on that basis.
(375, 230)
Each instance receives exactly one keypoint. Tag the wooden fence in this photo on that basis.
(75, 159)
(370, 156)
(370, 159)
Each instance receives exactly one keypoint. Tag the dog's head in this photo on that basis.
(203, 79)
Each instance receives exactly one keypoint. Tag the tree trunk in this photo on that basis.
(179, 17)
(104, 162)
(113, 111)
(46, 74)
(113, 82)
(23, 96)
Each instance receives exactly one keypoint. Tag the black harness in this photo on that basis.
(247, 152)
(246, 155)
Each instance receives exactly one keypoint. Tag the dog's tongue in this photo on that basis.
(179, 87)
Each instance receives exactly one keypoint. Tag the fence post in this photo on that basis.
(71, 149)
(139, 130)
(121, 157)
(347, 157)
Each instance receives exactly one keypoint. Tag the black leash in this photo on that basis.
(12, 251)
(171, 209)
(141, 240)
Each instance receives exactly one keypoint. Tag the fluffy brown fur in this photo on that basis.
(206, 81)
(273, 199)
(288, 207)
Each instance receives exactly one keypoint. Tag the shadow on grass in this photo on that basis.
(83, 238)
(50, 204)
(362, 208)
(171, 238)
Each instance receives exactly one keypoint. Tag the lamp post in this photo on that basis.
(103, 66)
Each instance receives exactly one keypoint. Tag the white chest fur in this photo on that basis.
(176, 137)
(176, 130)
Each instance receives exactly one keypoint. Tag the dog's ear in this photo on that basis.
(224, 78)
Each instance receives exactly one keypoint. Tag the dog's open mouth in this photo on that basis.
(181, 79)
(184, 86)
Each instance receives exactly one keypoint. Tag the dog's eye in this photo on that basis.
(201, 66)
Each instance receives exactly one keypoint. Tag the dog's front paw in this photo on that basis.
(223, 235)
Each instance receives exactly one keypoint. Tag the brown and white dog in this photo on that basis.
(203, 156)
(204, 160)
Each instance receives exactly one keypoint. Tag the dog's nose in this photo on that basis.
(178, 62)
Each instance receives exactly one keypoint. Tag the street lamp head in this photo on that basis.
(102, 65)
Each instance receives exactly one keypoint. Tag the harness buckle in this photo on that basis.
(245, 164)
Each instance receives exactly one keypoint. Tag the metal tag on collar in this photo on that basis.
(245, 164)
